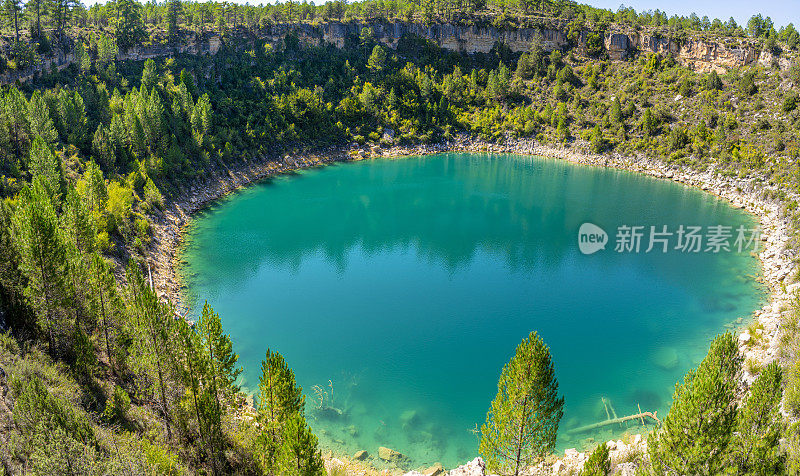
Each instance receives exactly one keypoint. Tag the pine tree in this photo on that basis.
(15, 109)
(696, 433)
(42, 252)
(45, 164)
(759, 426)
(129, 27)
(522, 423)
(13, 9)
(105, 301)
(39, 117)
(377, 60)
(149, 77)
(174, 10)
(616, 111)
(194, 368)
(79, 234)
(201, 120)
(598, 463)
(150, 327)
(279, 398)
(299, 455)
(221, 371)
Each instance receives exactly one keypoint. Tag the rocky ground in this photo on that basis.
(759, 343)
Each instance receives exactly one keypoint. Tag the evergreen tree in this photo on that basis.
(42, 252)
(149, 76)
(39, 117)
(45, 164)
(13, 9)
(759, 426)
(522, 423)
(129, 27)
(616, 111)
(15, 122)
(174, 10)
(299, 455)
(598, 463)
(695, 435)
(279, 398)
(194, 369)
(150, 327)
(377, 60)
(713, 83)
(220, 369)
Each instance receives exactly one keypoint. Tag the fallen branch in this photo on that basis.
(638, 416)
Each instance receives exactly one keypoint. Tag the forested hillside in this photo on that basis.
(97, 375)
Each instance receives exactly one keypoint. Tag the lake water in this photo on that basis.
(396, 289)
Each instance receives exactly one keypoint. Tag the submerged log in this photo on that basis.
(638, 416)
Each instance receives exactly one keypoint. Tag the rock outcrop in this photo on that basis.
(700, 54)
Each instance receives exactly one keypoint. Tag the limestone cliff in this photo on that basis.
(700, 54)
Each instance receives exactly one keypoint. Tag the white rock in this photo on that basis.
(571, 453)
(744, 338)
(475, 467)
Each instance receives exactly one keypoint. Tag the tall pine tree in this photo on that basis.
(695, 435)
(522, 423)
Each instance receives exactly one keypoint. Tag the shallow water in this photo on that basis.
(400, 288)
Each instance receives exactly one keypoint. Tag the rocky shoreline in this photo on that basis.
(759, 343)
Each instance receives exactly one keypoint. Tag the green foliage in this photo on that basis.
(117, 406)
(598, 463)
(522, 423)
(279, 399)
(595, 44)
(696, 433)
(129, 28)
(713, 82)
(377, 60)
(41, 249)
(152, 196)
(790, 102)
(299, 455)
(759, 427)
(38, 414)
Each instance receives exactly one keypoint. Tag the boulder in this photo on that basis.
(436, 470)
(390, 455)
(475, 467)
(360, 455)
(666, 358)
(744, 338)
(409, 419)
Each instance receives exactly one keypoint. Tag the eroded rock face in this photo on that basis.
(700, 54)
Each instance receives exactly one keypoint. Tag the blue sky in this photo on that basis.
(782, 12)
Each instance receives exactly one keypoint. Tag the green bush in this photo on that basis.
(598, 463)
(117, 406)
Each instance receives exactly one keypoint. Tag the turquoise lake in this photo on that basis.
(400, 288)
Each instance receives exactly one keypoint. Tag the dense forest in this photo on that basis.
(98, 376)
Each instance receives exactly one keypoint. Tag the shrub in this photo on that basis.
(152, 195)
(790, 102)
(598, 463)
(117, 406)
